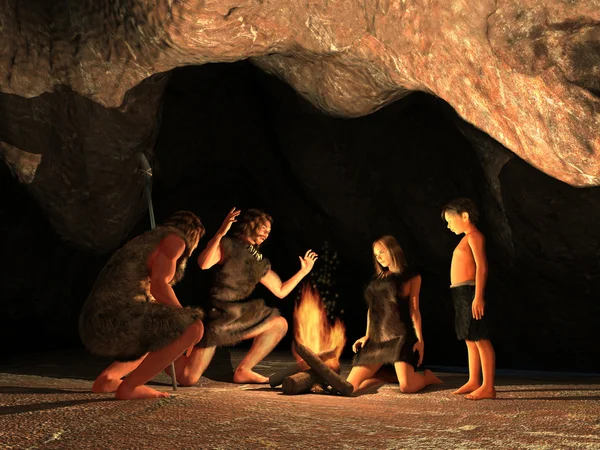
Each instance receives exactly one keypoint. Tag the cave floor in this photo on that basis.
(45, 402)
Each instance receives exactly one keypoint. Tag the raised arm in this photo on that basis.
(163, 269)
(281, 289)
(477, 243)
(212, 254)
(415, 315)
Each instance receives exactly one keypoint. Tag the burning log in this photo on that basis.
(307, 381)
(299, 383)
(325, 372)
(277, 378)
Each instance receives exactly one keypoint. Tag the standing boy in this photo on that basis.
(468, 276)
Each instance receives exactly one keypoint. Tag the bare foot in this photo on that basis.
(430, 378)
(248, 376)
(103, 384)
(138, 392)
(467, 388)
(482, 393)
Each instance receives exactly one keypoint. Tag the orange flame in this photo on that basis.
(312, 328)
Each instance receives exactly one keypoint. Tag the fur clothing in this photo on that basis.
(391, 332)
(120, 318)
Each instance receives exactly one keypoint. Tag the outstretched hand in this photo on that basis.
(308, 262)
(229, 219)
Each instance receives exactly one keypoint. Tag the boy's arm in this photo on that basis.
(163, 269)
(477, 243)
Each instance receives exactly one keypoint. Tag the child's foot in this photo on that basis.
(482, 393)
(103, 385)
(248, 377)
(467, 388)
(430, 378)
(138, 392)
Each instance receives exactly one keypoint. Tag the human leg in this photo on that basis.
(133, 386)
(488, 367)
(266, 337)
(411, 381)
(364, 378)
(110, 378)
(474, 381)
(189, 369)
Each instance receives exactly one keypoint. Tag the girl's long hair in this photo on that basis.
(396, 254)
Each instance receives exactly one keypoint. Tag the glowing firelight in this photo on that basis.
(312, 328)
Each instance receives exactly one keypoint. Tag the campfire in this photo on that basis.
(317, 349)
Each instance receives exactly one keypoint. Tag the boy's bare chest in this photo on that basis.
(463, 249)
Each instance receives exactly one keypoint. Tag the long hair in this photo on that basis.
(249, 223)
(396, 254)
(189, 224)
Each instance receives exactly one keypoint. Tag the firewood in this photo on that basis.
(275, 379)
(325, 372)
(300, 382)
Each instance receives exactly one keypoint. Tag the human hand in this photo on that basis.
(229, 219)
(360, 343)
(419, 347)
(477, 308)
(308, 262)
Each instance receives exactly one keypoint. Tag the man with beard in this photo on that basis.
(235, 316)
(132, 313)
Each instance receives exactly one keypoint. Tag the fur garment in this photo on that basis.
(391, 332)
(233, 314)
(120, 318)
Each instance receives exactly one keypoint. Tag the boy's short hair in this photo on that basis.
(461, 205)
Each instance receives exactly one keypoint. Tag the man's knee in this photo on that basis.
(280, 325)
(187, 378)
(197, 329)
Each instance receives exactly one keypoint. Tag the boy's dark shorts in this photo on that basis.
(465, 325)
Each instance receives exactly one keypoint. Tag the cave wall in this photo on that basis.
(232, 135)
(81, 160)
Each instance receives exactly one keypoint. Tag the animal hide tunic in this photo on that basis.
(391, 332)
(120, 318)
(233, 314)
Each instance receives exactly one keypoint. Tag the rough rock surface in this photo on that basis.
(81, 161)
(526, 73)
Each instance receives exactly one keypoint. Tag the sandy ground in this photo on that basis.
(45, 402)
